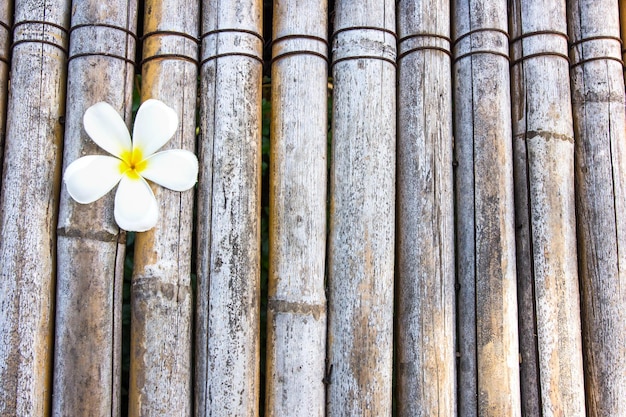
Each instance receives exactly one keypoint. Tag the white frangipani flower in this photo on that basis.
(133, 162)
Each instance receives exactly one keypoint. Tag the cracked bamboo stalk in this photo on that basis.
(551, 372)
(487, 297)
(161, 303)
(229, 207)
(90, 245)
(600, 158)
(362, 210)
(425, 295)
(30, 188)
(296, 332)
(6, 19)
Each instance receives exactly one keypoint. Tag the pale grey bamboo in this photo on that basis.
(549, 313)
(90, 245)
(161, 369)
(600, 156)
(362, 210)
(296, 330)
(30, 185)
(487, 302)
(425, 298)
(229, 206)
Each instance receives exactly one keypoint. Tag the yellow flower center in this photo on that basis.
(132, 163)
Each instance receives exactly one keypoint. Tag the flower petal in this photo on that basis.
(91, 177)
(175, 169)
(155, 124)
(105, 126)
(136, 209)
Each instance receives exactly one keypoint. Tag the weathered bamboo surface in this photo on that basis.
(161, 305)
(600, 155)
(296, 331)
(487, 304)
(622, 21)
(228, 264)
(425, 295)
(551, 372)
(30, 185)
(362, 210)
(6, 19)
(90, 246)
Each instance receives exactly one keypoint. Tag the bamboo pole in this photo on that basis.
(362, 205)
(297, 303)
(6, 19)
(622, 21)
(425, 226)
(161, 304)
(551, 371)
(600, 156)
(30, 186)
(90, 245)
(228, 264)
(487, 304)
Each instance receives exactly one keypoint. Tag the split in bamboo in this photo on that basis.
(600, 156)
(487, 298)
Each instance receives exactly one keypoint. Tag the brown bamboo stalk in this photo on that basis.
(296, 331)
(600, 155)
(228, 309)
(362, 206)
(30, 187)
(425, 226)
(161, 306)
(487, 303)
(551, 371)
(6, 19)
(90, 245)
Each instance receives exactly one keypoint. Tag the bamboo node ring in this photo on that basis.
(34, 40)
(425, 47)
(299, 52)
(226, 54)
(597, 58)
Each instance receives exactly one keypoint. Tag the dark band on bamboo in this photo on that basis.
(104, 54)
(539, 54)
(471, 32)
(170, 32)
(104, 25)
(481, 51)
(5, 59)
(539, 32)
(391, 32)
(241, 54)
(182, 57)
(301, 52)
(227, 30)
(380, 58)
(179, 57)
(37, 22)
(597, 58)
(424, 47)
(211, 58)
